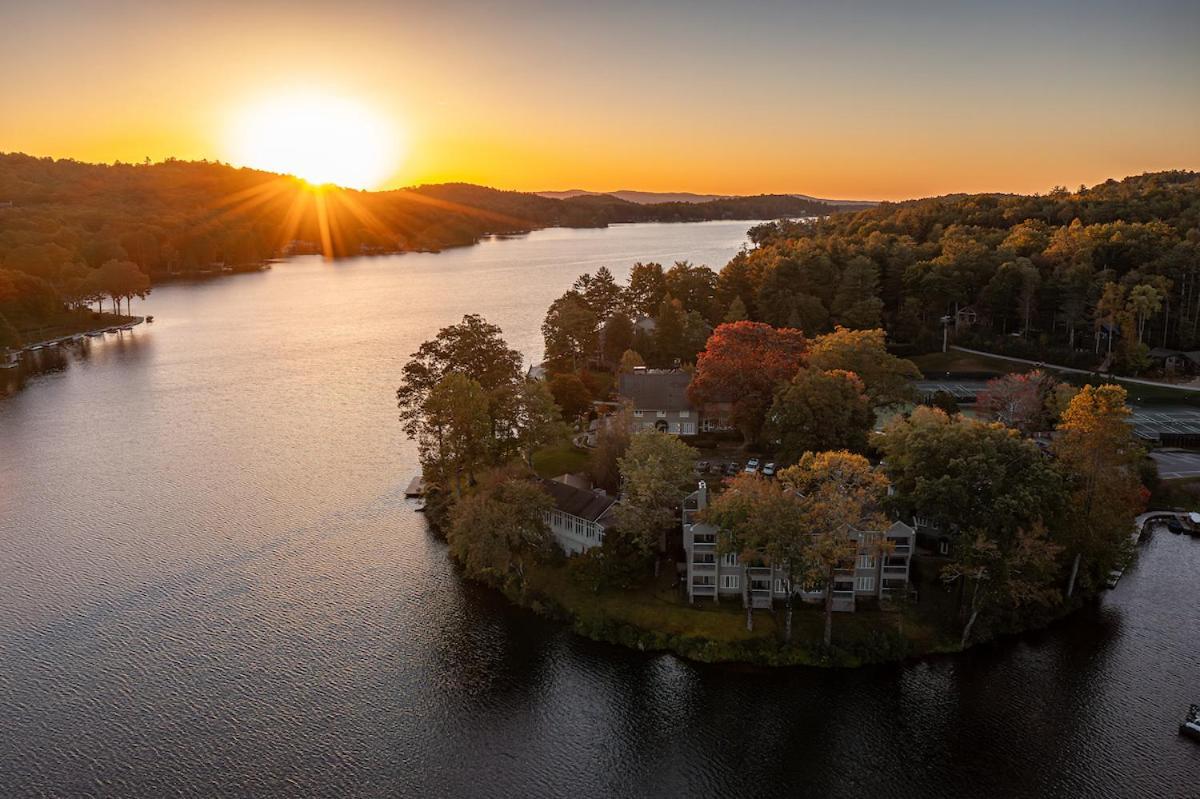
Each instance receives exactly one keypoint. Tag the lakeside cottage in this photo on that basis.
(660, 402)
(579, 516)
(874, 576)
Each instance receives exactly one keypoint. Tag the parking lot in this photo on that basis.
(1176, 464)
(717, 466)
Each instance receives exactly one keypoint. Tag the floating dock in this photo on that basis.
(37, 346)
(416, 488)
(1191, 723)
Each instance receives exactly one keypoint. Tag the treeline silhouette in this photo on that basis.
(73, 234)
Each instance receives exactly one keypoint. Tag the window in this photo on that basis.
(684, 414)
(866, 561)
(731, 581)
(662, 414)
(729, 559)
(864, 584)
(779, 589)
(689, 428)
(638, 414)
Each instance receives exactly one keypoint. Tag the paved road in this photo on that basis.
(1173, 464)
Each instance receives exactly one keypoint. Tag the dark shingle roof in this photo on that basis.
(657, 391)
(577, 502)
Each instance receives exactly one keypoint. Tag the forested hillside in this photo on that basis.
(1071, 274)
(74, 234)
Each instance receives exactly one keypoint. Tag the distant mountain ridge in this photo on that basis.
(178, 218)
(656, 197)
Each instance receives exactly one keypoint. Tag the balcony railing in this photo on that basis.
(704, 568)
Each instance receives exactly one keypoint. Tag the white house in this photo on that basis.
(579, 517)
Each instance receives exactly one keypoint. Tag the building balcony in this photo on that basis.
(704, 590)
(895, 571)
(704, 568)
(843, 601)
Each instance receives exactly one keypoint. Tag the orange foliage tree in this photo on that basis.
(742, 364)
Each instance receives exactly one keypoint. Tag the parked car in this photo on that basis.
(732, 468)
(702, 467)
(1174, 525)
(717, 467)
(769, 470)
(752, 466)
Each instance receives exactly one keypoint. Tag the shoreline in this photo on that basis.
(12, 355)
(763, 649)
(549, 593)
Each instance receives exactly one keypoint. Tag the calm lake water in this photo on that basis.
(211, 585)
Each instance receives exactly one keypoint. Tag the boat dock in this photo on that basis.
(70, 338)
(416, 488)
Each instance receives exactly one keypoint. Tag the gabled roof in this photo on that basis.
(656, 390)
(577, 502)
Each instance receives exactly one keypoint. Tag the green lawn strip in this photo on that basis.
(1183, 493)
(561, 459)
(654, 615)
(934, 363)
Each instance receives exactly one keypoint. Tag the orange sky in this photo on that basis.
(840, 100)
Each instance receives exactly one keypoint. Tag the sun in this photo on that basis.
(318, 137)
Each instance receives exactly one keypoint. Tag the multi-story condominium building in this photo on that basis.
(579, 517)
(872, 574)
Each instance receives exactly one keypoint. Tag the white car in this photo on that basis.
(751, 466)
(769, 470)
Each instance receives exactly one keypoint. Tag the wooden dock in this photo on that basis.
(36, 346)
(416, 488)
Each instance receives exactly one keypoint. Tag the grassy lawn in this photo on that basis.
(1183, 493)
(936, 363)
(657, 606)
(561, 459)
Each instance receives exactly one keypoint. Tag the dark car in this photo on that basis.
(1174, 525)
(717, 468)
(702, 467)
(732, 468)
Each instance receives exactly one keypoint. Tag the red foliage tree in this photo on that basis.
(1029, 402)
(742, 364)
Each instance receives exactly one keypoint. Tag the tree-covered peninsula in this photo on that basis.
(1030, 502)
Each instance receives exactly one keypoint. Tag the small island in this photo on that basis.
(742, 467)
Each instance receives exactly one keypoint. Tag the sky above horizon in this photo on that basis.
(851, 100)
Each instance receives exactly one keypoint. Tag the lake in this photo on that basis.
(211, 585)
